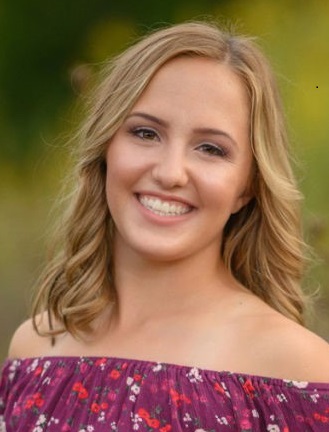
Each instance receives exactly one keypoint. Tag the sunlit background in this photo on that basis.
(48, 53)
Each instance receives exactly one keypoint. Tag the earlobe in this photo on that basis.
(242, 201)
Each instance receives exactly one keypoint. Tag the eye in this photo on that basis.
(146, 134)
(212, 150)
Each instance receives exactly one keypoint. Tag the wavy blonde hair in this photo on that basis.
(262, 246)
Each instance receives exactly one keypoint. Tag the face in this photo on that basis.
(180, 164)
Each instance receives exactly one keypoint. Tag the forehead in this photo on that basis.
(201, 92)
(203, 79)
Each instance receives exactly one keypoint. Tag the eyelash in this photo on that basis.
(213, 150)
(208, 148)
(140, 131)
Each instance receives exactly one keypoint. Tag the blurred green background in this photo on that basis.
(49, 51)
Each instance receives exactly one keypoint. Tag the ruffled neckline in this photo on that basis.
(151, 364)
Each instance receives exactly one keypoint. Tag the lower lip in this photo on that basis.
(163, 220)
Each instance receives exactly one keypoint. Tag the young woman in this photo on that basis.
(176, 302)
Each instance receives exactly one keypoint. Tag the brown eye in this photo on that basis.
(145, 134)
(212, 150)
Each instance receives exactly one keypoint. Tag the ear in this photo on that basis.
(241, 201)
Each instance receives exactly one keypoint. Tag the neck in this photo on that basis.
(155, 290)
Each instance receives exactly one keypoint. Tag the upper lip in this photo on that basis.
(166, 197)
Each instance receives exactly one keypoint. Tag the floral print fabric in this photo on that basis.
(80, 394)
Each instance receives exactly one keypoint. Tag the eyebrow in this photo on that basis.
(160, 122)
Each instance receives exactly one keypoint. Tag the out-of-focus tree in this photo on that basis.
(40, 42)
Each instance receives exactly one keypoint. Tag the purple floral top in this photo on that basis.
(93, 394)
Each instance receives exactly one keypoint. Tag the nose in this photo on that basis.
(170, 170)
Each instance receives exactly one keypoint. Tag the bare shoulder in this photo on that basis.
(26, 342)
(293, 351)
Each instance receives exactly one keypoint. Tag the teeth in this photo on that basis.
(163, 208)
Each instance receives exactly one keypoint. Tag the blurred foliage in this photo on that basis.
(49, 51)
(40, 43)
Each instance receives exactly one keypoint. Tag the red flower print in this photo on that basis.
(39, 402)
(81, 390)
(219, 388)
(321, 418)
(77, 386)
(124, 366)
(95, 408)
(83, 394)
(38, 371)
(137, 377)
(100, 362)
(249, 388)
(34, 400)
(178, 398)
(143, 413)
(166, 428)
(104, 405)
(29, 403)
(114, 374)
(152, 422)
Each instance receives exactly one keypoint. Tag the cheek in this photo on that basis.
(218, 187)
(124, 170)
(222, 192)
(119, 167)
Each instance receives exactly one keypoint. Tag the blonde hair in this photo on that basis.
(262, 246)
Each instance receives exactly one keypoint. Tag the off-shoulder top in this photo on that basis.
(94, 394)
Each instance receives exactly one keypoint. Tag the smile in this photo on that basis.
(162, 207)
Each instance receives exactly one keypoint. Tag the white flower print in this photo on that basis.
(225, 389)
(132, 398)
(45, 367)
(187, 418)
(41, 420)
(12, 368)
(315, 397)
(53, 420)
(298, 384)
(129, 381)
(136, 419)
(222, 420)
(281, 397)
(114, 426)
(194, 375)
(255, 413)
(135, 389)
(46, 381)
(33, 366)
(101, 417)
(157, 368)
